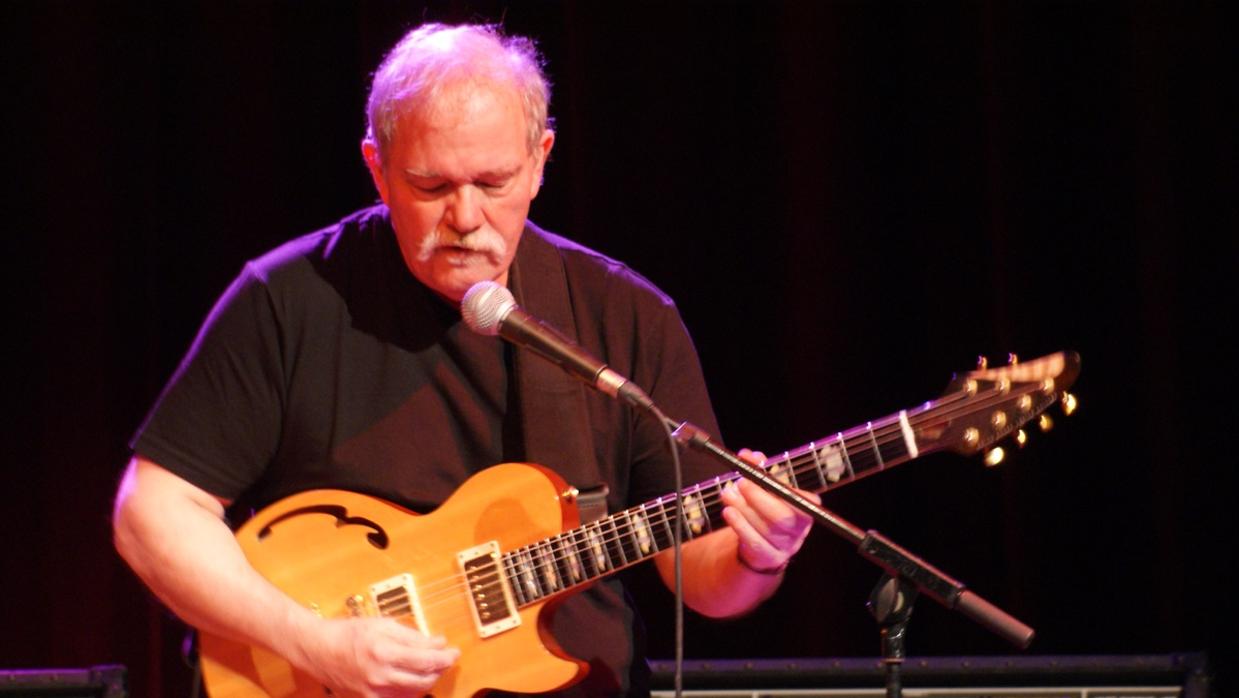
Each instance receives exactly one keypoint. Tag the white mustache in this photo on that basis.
(483, 240)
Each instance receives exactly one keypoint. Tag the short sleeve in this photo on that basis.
(217, 422)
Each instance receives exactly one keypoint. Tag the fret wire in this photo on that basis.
(662, 512)
(546, 567)
(877, 452)
(618, 544)
(817, 463)
(649, 525)
(847, 458)
(517, 591)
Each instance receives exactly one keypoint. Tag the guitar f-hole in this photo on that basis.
(378, 538)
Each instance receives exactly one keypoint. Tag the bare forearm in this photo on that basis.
(716, 584)
(174, 538)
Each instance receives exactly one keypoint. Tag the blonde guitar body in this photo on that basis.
(325, 548)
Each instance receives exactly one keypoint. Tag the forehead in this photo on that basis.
(479, 123)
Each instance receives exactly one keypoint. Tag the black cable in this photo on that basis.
(677, 542)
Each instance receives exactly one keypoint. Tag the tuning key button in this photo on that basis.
(1012, 359)
(1024, 403)
(998, 420)
(1047, 386)
(970, 387)
(994, 456)
(1021, 438)
(1069, 403)
(1045, 422)
(972, 437)
(982, 363)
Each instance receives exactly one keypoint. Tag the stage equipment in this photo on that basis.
(100, 681)
(1180, 675)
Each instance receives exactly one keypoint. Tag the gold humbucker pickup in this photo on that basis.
(490, 598)
(397, 598)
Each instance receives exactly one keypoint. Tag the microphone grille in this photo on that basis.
(485, 305)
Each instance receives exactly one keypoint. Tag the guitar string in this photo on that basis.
(542, 573)
(547, 569)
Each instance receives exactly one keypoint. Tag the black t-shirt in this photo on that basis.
(326, 364)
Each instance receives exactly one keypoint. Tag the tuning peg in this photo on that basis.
(1045, 423)
(994, 456)
(1021, 438)
(1069, 403)
(982, 363)
(1012, 359)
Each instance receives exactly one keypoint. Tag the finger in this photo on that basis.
(773, 509)
(782, 527)
(754, 457)
(752, 549)
(413, 637)
(748, 537)
(423, 660)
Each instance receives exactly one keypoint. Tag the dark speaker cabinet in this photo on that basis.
(103, 681)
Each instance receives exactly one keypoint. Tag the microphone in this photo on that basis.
(490, 309)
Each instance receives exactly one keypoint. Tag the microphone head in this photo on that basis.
(485, 305)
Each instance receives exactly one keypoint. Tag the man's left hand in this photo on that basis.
(769, 530)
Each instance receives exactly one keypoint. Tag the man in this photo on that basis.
(339, 360)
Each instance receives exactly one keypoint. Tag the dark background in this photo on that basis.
(850, 201)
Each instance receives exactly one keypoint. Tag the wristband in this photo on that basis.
(772, 572)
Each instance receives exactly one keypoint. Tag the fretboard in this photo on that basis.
(599, 548)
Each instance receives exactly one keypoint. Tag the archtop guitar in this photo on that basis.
(485, 568)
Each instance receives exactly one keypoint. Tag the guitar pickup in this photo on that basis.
(490, 597)
(397, 598)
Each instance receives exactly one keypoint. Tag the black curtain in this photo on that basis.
(849, 201)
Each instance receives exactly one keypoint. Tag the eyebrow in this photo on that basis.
(489, 174)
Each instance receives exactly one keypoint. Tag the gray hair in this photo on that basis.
(434, 56)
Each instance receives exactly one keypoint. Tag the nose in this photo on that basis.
(464, 210)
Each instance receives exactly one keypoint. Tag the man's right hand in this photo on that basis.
(376, 657)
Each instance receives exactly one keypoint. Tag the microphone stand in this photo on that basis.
(905, 575)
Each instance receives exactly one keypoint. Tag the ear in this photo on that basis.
(370, 153)
(542, 152)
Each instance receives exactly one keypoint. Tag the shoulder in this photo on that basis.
(594, 275)
(360, 234)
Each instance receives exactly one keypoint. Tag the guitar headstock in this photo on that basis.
(984, 406)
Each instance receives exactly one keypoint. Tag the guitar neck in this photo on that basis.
(599, 548)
